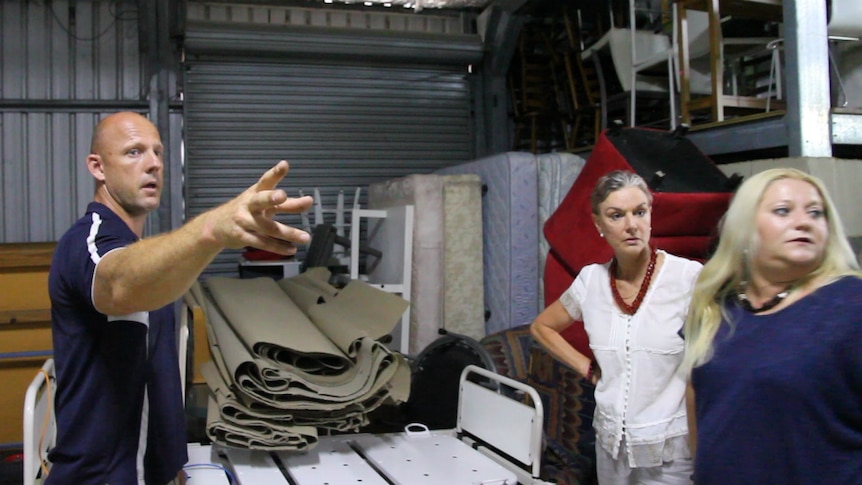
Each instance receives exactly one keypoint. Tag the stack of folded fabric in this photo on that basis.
(296, 356)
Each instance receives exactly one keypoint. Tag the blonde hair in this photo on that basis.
(730, 265)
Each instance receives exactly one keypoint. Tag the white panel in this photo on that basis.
(317, 18)
(376, 22)
(203, 467)
(258, 15)
(433, 459)
(495, 419)
(394, 19)
(217, 13)
(331, 462)
(498, 420)
(398, 22)
(391, 232)
(254, 467)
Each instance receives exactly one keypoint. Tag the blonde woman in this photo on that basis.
(774, 341)
(633, 308)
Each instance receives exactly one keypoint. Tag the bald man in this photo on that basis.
(119, 405)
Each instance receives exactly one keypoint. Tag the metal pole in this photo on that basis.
(808, 98)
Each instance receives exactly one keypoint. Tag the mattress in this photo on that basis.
(521, 191)
(511, 233)
(557, 173)
(446, 277)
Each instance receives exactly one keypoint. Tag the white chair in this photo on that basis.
(633, 52)
(845, 25)
(703, 52)
(697, 25)
(40, 427)
(845, 20)
(636, 53)
(649, 50)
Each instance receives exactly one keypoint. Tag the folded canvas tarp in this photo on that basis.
(297, 354)
(233, 424)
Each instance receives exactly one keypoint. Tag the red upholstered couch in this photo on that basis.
(690, 196)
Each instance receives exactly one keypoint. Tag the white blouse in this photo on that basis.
(640, 394)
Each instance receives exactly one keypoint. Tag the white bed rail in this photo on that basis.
(502, 422)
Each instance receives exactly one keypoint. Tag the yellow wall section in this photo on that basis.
(24, 291)
(25, 326)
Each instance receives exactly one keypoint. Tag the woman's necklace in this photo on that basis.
(769, 305)
(625, 307)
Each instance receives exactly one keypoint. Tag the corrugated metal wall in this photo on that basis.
(349, 116)
(63, 65)
(61, 50)
(388, 98)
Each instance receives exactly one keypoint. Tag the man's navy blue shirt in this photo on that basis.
(119, 407)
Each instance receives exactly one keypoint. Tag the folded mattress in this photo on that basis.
(521, 191)
(446, 277)
(557, 173)
(511, 231)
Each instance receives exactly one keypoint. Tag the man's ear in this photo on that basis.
(96, 167)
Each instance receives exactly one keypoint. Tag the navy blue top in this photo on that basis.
(780, 402)
(113, 372)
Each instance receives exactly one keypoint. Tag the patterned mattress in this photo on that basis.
(521, 191)
(447, 284)
(557, 173)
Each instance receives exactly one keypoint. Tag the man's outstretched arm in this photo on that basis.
(157, 270)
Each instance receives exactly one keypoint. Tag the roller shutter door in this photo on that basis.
(342, 121)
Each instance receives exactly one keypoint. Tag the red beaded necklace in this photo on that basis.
(625, 307)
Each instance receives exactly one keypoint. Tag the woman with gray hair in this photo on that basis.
(773, 341)
(633, 308)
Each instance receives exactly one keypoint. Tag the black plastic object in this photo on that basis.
(436, 371)
(324, 237)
